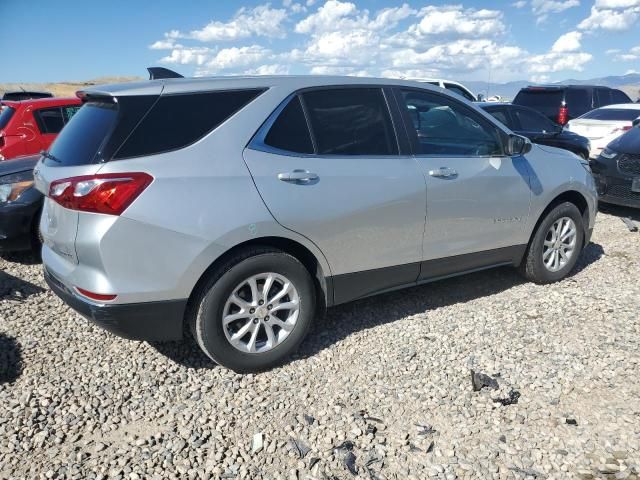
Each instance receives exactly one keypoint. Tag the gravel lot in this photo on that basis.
(386, 379)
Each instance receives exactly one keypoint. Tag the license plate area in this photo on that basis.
(635, 185)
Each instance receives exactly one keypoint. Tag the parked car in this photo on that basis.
(561, 103)
(18, 95)
(603, 125)
(536, 127)
(242, 207)
(450, 85)
(29, 126)
(20, 205)
(617, 170)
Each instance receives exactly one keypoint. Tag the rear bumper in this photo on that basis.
(150, 321)
(616, 190)
(16, 226)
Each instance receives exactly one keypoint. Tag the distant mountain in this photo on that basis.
(630, 83)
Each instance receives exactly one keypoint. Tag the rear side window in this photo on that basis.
(69, 111)
(80, 141)
(5, 115)
(619, 96)
(49, 120)
(578, 102)
(289, 131)
(501, 116)
(350, 121)
(460, 91)
(532, 121)
(176, 121)
(616, 114)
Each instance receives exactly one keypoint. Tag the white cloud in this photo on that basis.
(457, 21)
(543, 8)
(632, 55)
(569, 42)
(519, 4)
(229, 58)
(261, 21)
(558, 62)
(188, 55)
(163, 44)
(612, 15)
(540, 78)
(272, 69)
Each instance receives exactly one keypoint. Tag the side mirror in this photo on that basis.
(518, 145)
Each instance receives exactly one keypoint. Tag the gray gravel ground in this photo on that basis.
(387, 377)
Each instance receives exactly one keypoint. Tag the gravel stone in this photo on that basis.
(385, 379)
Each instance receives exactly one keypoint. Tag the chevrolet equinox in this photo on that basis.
(239, 208)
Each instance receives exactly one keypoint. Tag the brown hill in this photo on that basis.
(64, 89)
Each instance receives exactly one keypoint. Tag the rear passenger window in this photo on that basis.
(289, 131)
(176, 121)
(69, 111)
(49, 120)
(604, 97)
(350, 121)
(578, 102)
(619, 96)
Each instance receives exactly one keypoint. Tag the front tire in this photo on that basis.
(555, 246)
(255, 310)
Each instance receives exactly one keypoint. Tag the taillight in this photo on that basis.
(103, 193)
(563, 114)
(626, 128)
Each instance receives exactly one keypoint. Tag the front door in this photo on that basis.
(477, 198)
(328, 166)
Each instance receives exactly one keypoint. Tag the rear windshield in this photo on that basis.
(547, 102)
(80, 140)
(616, 114)
(5, 115)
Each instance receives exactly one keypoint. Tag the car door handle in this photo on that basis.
(443, 172)
(298, 176)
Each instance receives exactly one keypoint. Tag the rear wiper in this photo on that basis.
(49, 156)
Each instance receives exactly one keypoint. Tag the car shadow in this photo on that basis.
(14, 288)
(346, 319)
(23, 258)
(622, 212)
(10, 359)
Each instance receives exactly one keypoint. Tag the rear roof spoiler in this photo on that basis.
(157, 73)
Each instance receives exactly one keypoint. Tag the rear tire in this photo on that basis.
(550, 257)
(241, 326)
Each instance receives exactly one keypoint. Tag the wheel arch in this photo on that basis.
(321, 279)
(571, 196)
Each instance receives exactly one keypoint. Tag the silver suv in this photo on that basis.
(239, 208)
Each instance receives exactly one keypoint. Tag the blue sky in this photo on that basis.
(541, 40)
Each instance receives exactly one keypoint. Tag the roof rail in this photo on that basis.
(157, 73)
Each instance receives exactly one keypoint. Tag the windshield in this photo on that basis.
(615, 114)
(80, 140)
(5, 115)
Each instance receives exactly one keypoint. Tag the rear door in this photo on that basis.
(477, 197)
(329, 166)
(547, 101)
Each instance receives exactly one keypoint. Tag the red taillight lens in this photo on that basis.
(563, 115)
(104, 193)
(95, 296)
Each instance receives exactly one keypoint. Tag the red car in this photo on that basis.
(29, 126)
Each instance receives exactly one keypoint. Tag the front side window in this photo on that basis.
(49, 120)
(444, 127)
(350, 121)
(532, 121)
(290, 132)
(5, 115)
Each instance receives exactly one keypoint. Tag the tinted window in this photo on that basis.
(5, 115)
(176, 121)
(532, 121)
(578, 101)
(289, 131)
(81, 139)
(460, 91)
(445, 127)
(49, 120)
(545, 101)
(604, 97)
(501, 116)
(621, 114)
(619, 97)
(351, 121)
